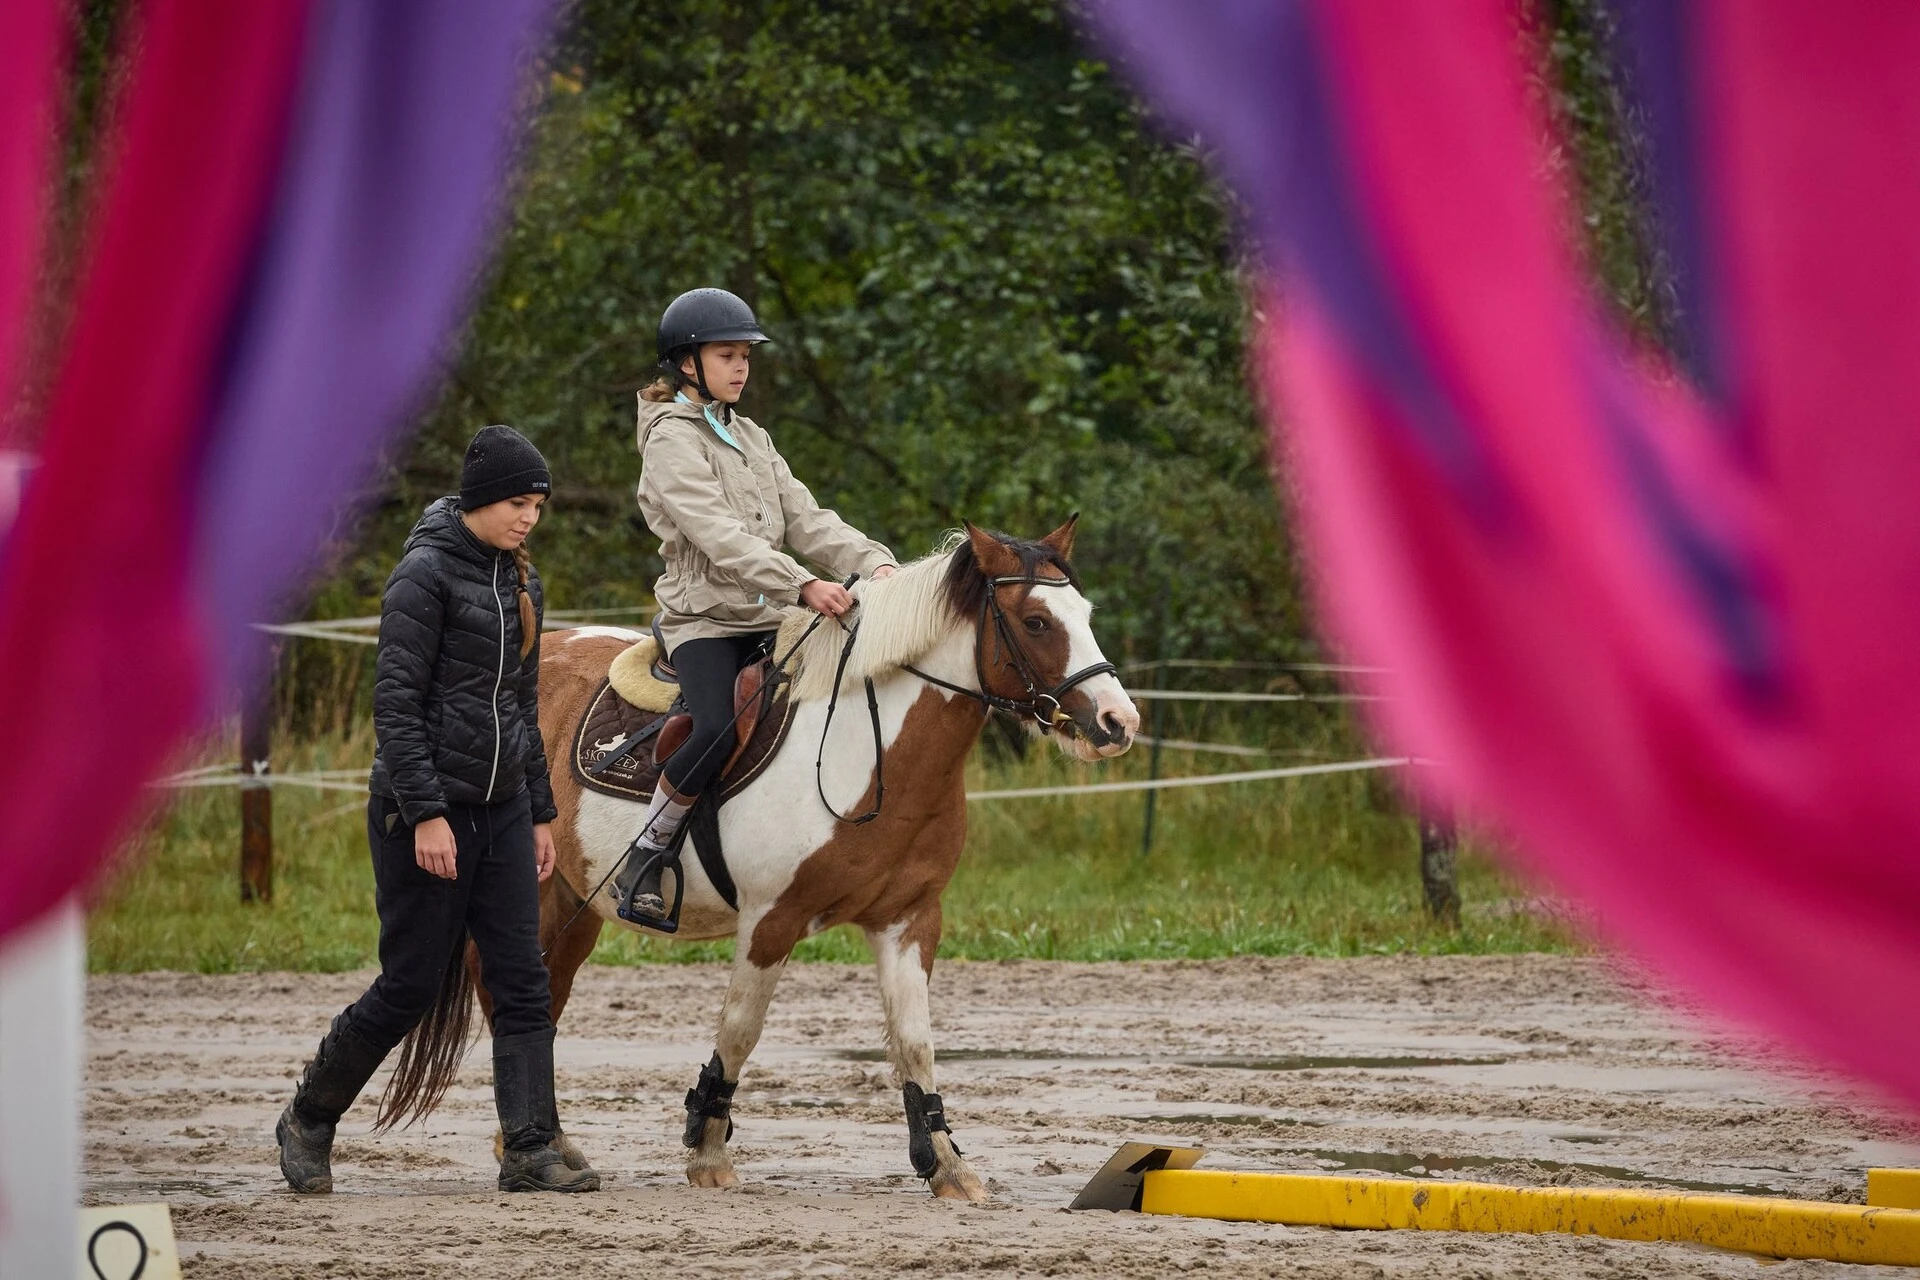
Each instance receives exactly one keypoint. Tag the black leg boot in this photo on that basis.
(340, 1069)
(529, 1118)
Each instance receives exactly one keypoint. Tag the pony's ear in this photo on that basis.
(1061, 539)
(995, 558)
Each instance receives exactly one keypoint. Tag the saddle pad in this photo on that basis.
(632, 677)
(610, 720)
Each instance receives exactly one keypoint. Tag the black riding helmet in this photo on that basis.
(700, 316)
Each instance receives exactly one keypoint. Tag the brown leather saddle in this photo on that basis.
(619, 748)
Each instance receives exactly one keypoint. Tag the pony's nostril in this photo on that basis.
(1116, 729)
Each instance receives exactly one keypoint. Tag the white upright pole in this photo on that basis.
(42, 995)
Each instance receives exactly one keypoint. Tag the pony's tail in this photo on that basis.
(529, 625)
(430, 1055)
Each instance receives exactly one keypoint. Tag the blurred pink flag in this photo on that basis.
(1660, 623)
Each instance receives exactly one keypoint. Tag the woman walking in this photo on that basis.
(723, 503)
(458, 825)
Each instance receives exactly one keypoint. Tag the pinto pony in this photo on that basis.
(988, 621)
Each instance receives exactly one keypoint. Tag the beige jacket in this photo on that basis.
(722, 514)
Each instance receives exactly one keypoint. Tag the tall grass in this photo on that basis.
(1323, 865)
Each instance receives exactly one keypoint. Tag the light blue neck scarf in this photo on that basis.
(713, 420)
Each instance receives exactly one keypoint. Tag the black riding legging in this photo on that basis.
(495, 900)
(707, 668)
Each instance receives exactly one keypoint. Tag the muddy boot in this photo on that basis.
(637, 885)
(341, 1067)
(529, 1118)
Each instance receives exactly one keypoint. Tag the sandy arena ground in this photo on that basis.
(1529, 1070)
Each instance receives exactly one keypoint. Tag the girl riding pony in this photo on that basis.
(723, 503)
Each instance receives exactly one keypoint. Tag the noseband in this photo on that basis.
(1042, 704)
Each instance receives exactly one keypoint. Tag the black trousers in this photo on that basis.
(707, 668)
(424, 920)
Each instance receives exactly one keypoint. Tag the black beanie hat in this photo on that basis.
(501, 463)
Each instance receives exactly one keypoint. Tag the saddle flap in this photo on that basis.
(611, 722)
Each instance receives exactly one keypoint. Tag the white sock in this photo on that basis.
(664, 818)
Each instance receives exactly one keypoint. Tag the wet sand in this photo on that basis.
(1533, 1070)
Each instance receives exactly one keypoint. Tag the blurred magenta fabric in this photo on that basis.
(290, 230)
(1659, 619)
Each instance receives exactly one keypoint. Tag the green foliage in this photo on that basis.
(994, 295)
(1604, 153)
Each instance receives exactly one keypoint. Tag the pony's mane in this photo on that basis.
(902, 617)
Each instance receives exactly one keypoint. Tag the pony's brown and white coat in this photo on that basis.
(797, 869)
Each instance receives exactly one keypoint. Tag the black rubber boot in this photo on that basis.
(340, 1069)
(529, 1117)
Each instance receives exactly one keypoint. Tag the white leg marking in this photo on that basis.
(749, 992)
(903, 997)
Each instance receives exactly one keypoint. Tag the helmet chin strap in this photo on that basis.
(700, 381)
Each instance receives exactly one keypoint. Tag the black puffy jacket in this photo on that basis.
(455, 710)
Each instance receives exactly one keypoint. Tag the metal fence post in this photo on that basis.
(1158, 719)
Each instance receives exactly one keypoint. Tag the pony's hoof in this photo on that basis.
(960, 1185)
(718, 1178)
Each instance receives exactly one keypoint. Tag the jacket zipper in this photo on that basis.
(499, 673)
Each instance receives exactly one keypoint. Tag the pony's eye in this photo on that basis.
(1035, 625)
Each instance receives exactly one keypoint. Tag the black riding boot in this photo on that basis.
(340, 1069)
(529, 1118)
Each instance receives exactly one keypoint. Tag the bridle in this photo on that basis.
(1042, 704)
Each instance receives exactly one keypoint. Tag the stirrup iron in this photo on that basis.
(664, 860)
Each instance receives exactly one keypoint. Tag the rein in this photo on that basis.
(1041, 705)
(879, 748)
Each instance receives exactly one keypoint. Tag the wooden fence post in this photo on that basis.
(256, 793)
(1439, 843)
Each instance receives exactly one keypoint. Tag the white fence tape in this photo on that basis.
(1203, 780)
(356, 781)
(1212, 748)
(333, 780)
(310, 631)
(1206, 695)
(360, 630)
(1226, 664)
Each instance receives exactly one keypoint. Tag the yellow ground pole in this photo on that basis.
(1753, 1224)
(1893, 1188)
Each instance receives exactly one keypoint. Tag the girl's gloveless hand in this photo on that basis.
(434, 849)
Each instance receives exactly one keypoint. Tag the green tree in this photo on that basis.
(995, 296)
